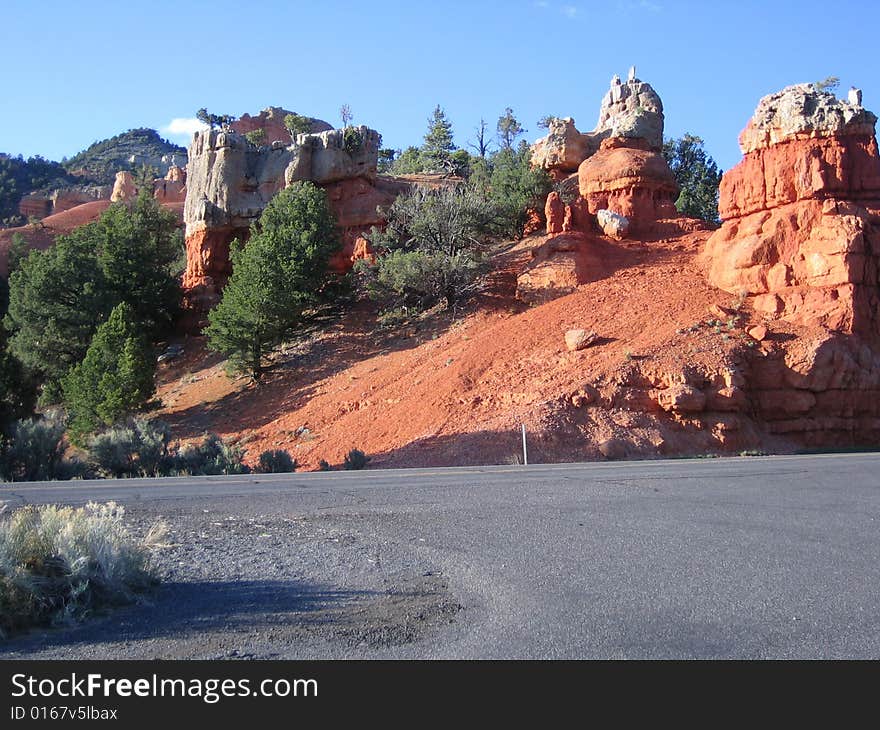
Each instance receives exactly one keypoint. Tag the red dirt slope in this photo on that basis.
(455, 392)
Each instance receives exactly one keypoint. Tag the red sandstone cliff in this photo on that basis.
(800, 212)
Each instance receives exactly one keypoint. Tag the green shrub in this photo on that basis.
(297, 124)
(323, 465)
(35, 452)
(115, 378)
(58, 563)
(352, 140)
(276, 461)
(213, 456)
(355, 459)
(421, 279)
(256, 137)
(139, 448)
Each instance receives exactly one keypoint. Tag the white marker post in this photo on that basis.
(525, 453)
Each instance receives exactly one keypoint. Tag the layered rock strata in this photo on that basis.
(801, 211)
(230, 182)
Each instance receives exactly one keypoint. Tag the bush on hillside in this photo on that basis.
(115, 378)
(417, 280)
(137, 448)
(58, 563)
(211, 457)
(35, 452)
(355, 459)
(276, 461)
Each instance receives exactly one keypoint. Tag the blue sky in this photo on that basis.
(76, 72)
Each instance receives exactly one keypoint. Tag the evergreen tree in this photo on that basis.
(438, 147)
(297, 124)
(137, 248)
(57, 298)
(114, 379)
(275, 278)
(696, 174)
(509, 129)
(516, 188)
(18, 387)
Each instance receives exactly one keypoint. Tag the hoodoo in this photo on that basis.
(800, 212)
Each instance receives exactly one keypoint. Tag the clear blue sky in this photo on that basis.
(76, 72)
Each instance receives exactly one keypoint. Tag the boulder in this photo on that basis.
(682, 398)
(631, 110)
(758, 332)
(564, 147)
(612, 224)
(578, 339)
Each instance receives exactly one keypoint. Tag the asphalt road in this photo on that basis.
(761, 557)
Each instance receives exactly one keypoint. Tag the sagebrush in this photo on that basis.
(60, 563)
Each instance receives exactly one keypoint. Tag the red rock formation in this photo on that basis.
(35, 206)
(363, 251)
(633, 182)
(172, 187)
(271, 121)
(802, 213)
(554, 211)
(561, 264)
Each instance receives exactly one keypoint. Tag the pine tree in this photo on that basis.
(438, 147)
(137, 247)
(697, 175)
(114, 379)
(58, 297)
(509, 129)
(275, 278)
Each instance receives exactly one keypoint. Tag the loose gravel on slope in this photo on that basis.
(247, 585)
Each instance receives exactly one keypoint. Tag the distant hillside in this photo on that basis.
(126, 151)
(19, 177)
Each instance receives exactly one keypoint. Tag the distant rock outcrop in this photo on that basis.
(230, 182)
(124, 188)
(50, 202)
(801, 231)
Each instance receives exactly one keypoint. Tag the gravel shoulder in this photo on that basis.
(238, 584)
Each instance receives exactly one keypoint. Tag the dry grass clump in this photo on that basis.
(60, 563)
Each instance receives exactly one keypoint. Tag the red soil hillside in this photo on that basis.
(42, 234)
(456, 392)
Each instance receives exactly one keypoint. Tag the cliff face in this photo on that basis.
(800, 241)
(230, 182)
(801, 212)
